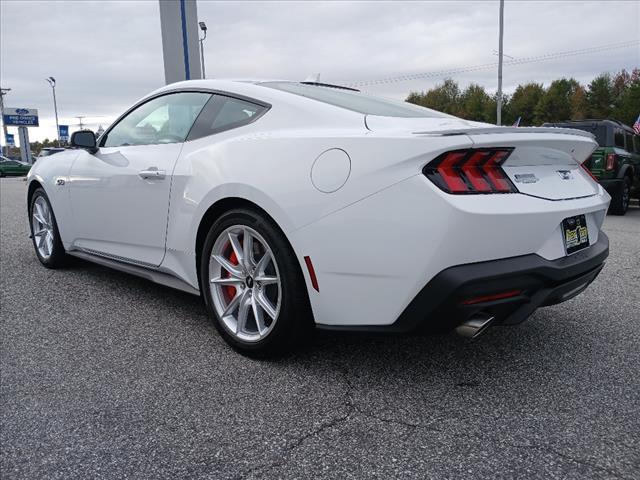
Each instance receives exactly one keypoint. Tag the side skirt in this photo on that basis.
(155, 276)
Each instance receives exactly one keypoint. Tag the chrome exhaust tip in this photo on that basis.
(474, 326)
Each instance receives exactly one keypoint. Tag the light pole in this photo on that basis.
(52, 82)
(3, 92)
(203, 27)
(500, 54)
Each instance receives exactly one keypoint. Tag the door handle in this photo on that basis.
(152, 173)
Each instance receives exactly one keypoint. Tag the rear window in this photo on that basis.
(225, 113)
(355, 101)
(618, 138)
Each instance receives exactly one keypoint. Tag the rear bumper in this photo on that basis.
(439, 305)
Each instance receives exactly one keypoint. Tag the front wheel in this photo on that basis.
(253, 286)
(620, 201)
(44, 231)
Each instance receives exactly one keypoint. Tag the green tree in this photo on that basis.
(555, 104)
(523, 103)
(627, 107)
(607, 96)
(620, 82)
(443, 98)
(600, 96)
(579, 104)
(476, 104)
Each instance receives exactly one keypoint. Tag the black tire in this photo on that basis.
(620, 201)
(294, 323)
(58, 257)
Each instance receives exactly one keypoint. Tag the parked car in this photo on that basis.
(13, 167)
(616, 161)
(288, 205)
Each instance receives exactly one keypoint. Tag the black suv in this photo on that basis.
(616, 162)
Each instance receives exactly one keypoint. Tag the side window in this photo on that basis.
(636, 143)
(224, 113)
(629, 142)
(618, 138)
(165, 119)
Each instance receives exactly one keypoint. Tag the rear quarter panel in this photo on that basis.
(273, 170)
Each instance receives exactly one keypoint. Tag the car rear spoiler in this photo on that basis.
(493, 130)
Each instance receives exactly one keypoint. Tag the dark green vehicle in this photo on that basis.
(13, 167)
(616, 162)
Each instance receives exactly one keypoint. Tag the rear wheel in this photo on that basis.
(44, 231)
(253, 286)
(620, 201)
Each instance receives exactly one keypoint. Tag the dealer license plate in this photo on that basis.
(574, 231)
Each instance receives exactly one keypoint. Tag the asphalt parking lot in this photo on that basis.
(104, 375)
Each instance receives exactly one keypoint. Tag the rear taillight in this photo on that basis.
(471, 171)
(586, 169)
(611, 161)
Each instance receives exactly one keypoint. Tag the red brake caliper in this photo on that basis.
(231, 290)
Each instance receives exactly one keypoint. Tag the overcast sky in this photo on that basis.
(107, 54)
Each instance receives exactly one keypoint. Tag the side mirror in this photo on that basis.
(84, 139)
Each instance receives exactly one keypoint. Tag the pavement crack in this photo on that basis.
(290, 447)
(396, 421)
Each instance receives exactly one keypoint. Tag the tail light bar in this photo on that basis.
(586, 169)
(471, 171)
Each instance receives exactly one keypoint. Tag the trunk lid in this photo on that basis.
(545, 162)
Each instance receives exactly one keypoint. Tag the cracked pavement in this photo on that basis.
(104, 375)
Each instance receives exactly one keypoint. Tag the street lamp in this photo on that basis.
(203, 27)
(52, 82)
(3, 92)
(500, 55)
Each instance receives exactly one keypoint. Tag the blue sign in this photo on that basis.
(20, 117)
(63, 133)
(11, 142)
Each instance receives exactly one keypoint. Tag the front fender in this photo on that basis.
(52, 173)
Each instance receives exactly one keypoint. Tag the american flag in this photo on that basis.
(636, 126)
(517, 122)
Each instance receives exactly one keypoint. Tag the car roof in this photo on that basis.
(241, 87)
(251, 88)
(256, 90)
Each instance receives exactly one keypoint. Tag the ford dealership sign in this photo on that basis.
(20, 117)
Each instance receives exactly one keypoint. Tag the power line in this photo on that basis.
(490, 66)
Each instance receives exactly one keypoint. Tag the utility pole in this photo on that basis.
(500, 55)
(52, 82)
(80, 117)
(3, 92)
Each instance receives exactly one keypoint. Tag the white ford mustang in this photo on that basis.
(288, 204)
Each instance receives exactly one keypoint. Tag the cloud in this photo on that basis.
(107, 54)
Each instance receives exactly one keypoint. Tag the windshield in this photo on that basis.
(356, 101)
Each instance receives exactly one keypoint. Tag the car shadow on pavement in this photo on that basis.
(532, 342)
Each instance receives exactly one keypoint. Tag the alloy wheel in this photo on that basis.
(42, 226)
(245, 283)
